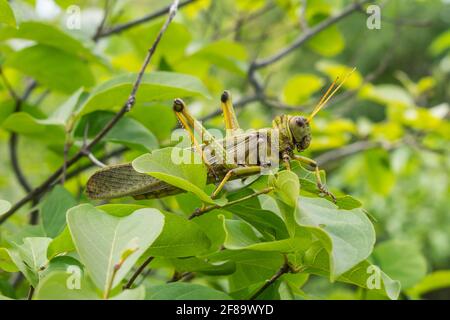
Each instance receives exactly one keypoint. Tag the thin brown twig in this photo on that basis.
(13, 140)
(206, 209)
(285, 268)
(102, 23)
(30, 293)
(305, 36)
(125, 108)
(138, 272)
(102, 159)
(125, 26)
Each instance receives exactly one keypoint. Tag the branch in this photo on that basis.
(13, 140)
(125, 26)
(138, 272)
(300, 40)
(125, 108)
(206, 209)
(101, 26)
(285, 268)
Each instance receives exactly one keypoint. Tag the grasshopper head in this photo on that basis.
(300, 131)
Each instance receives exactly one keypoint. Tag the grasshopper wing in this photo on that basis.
(119, 181)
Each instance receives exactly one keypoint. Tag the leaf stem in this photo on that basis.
(206, 209)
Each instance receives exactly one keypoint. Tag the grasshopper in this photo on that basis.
(294, 133)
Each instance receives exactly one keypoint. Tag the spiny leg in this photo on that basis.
(313, 164)
(186, 122)
(236, 172)
(191, 126)
(286, 160)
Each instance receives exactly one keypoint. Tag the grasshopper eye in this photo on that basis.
(300, 121)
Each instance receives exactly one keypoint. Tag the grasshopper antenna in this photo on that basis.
(329, 94)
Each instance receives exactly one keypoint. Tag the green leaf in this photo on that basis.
(240, 235)
(127, 131)
(65, 113)
(52, 128)
(440, 44)
(388, 94)
(43, 129)
(401, 260)
(43, 63)
(101, 239)
(328, 42)
(184, 291)
(347, 202)
(180, 237)
(212, 226)
(60, 285)
(4, 206)
(6, 262)
(334, 70)
(223, 54)
(163, 165)
(316, 261)
(267, 222)
(379, 174)
(131, 294)
(54, 208)
(348, 235)
(31, 258)
(434, 281)
(287, 187)
(61, 244)
(158, 118)
(201, 265)
(120, 210)
(49, 35)
(178, 33)
(155, 86)
(6, 14)
(251, 266)
(300, 88)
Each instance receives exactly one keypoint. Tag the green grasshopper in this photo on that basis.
(293, 134)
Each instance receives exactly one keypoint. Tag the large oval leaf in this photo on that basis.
(6, 14)
(43, 63)
(48, 35)
(101, 239)
(155, 86)
(348, 235)
(180, 237)
(161, 165)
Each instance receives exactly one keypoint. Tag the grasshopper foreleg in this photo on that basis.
(313, 164)
(236, 172)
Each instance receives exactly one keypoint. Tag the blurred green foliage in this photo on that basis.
(384, 140)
